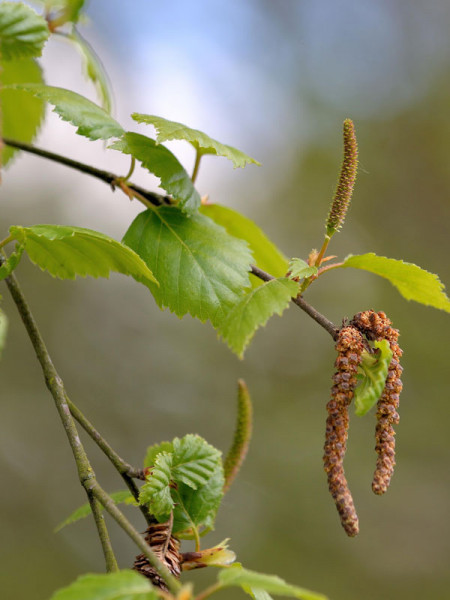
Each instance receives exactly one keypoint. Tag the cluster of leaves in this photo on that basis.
(195, 259)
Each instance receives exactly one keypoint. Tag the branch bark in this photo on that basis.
(85, 472)
(108, 553)
(301, 302)
(105, 176)
(126, 471)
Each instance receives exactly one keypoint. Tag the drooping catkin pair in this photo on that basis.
(350, 345)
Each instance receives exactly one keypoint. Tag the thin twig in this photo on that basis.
(299, 301)
(126, 471)
(106, 176)
(110, 559)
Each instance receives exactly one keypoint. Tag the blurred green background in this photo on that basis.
(275, 79)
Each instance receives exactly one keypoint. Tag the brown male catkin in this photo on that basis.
(350, 346)
(376, 326)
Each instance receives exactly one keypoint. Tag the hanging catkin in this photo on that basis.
(350, 346)
(376, 326)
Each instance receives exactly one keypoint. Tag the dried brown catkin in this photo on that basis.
(350, 346)
(166, 547)
(376, 326)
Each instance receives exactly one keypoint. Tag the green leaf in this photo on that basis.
(66, 252)
(94, 69)
(298, 269)
(374, 370)
(156, 490)
(200, 268)
(254, 309)
(124, 585)
(171, 130)
(266, 255)
(412, 282)
(194, 461)
(21, 113)
(91, 120)
(3, 330)
(153, 451)
(189, 479)
(120, 497)
(23, 32)
(11, 262)
(160, 161)
(195, 508)
(238, 576)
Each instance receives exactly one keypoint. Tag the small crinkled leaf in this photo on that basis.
(412, 282)
(160, 161)
(3, 330)
(66, 252)
(201, 269)
(266, 255)
(194, 461)
(23, 32)
(21, 114)
(171, 130)
(374, 370)
(123, 585)
(95, 71)
(298, 269)
(91, 120)
(197, 507)
(153, 451)
(236, 575)
(120, 497)
(254, 310)
(187, 478)
(11, 262)
(156, 490)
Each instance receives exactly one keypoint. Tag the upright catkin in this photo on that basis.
(350, 346)
(376, 326)
(166, 547)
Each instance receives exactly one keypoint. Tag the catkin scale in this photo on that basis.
(350, 347)
(376, 326)
(166, 547)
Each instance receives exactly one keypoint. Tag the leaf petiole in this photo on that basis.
(198, 158)
(131, 170)
(6, 241)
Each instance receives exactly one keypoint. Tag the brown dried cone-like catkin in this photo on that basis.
(350, 347)
(166, 547)
(376, 326)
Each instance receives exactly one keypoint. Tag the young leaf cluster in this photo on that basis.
(186, 478)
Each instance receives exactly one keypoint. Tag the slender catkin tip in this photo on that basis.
(347, 178)
(242, 435)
